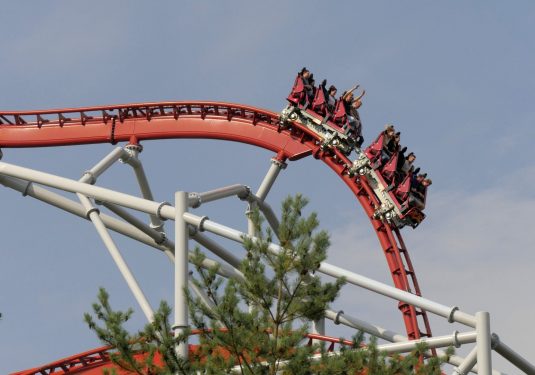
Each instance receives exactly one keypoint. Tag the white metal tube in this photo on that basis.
(144, 186)
(181, 271)
(91, 175)
(251, 230)
(196, 199)
(451, 313)
(99, 193)
(483, 342)
(270, 178)
(468, 363)
(513, 357)
(431, 342)
(118, 259)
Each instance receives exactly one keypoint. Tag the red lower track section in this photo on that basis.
(95, 361)
(234, 122)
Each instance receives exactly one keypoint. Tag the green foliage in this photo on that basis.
(155, 338)
(256, 324)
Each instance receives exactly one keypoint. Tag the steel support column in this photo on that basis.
(274, 170)
(483, 343)
(181, 271)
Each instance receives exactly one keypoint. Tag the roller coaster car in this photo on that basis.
(298, 94)
(316, 117)
(398, 206)
(373, 152)
(389, 170)
(319, 104)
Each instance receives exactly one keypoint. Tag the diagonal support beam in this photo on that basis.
(94, 216)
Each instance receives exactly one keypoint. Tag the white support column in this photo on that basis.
(251, 230)
(133, 150)
(274, 170)
(318, 326)
(181, 270)
(483, 343)
(466, 366)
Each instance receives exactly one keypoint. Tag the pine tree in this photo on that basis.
(264, 314)
(256, 324)
(136, 353)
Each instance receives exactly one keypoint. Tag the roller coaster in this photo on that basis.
(291, 138)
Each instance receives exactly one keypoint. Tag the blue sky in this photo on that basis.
(456, 78)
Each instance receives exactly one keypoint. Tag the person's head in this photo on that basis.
(420, 178)
(389, 130)
(332, 90)
(411, 157)
(397, 137)
(427, 182)
(304, 73)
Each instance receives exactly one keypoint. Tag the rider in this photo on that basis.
(331, 99)
(353, 118)
(308, 82)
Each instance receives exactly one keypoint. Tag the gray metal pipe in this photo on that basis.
(516, 359)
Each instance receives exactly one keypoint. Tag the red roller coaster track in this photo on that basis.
(234, 122)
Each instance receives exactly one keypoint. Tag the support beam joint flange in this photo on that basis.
(159, 210)
(452, 312)
(90, 211)
(337, 317)
(92, 178)
(456, 341)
